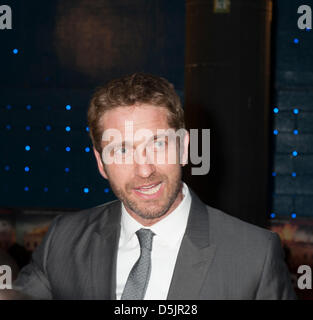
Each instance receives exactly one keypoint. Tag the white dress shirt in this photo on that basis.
(169, 232)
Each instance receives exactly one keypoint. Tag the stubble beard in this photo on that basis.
(150, 209)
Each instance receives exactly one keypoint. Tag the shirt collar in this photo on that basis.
(168, 230)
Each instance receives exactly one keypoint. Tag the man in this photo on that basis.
(158, 241)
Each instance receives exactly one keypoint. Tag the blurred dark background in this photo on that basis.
(64, 52)
(242, 68)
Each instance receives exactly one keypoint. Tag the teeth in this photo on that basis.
(150, 190)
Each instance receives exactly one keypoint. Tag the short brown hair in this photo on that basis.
(130, 90)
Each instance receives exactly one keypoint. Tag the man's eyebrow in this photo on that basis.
(118, 144)
(128, 143)
(156, 137)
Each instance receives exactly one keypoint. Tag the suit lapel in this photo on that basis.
(195, 255)
(193, 261)
(104, 256)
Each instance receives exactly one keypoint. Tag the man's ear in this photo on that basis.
(100, 163)
(184, 153)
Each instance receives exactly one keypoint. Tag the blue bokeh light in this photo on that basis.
(68, 149)
(274, 174)
(273, 215)
(26, 189)
(296, 40)
(295, 131)
(276, 110)
(295, 111)
(27, 148)
(28, 107)
(294, 174)
(48, 128)
(26, 169)
(293, 215)
(68, 128)
(67, 169)
(294, 153)
(87, 129)
(8, 127)
(27, 128)
(87, 149)
(275, 132)
(106, 190)
(9, 107)
(68, 107)
(86, 190)
(45, 189)
(15, 51)
(7, 168)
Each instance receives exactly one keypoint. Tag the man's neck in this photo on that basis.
(150, 222)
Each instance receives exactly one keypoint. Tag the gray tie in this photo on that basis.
(138, 278)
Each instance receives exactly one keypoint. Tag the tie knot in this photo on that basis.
(145, 238)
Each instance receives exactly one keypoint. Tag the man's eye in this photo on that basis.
(121, 151)
(159, 144)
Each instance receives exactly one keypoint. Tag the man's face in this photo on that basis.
(148, 187)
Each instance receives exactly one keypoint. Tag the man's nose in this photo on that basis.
(143, 166)
(144, 170)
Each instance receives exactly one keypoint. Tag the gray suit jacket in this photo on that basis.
(220, 257)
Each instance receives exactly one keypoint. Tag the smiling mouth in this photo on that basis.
(154, 188)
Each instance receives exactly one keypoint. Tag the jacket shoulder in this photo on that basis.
(234, 232)
(74, 225)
